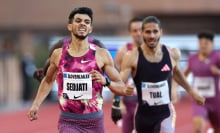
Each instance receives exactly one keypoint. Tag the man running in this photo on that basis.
(78, 68)
(130, 102)
(205, 67)
(153, 66)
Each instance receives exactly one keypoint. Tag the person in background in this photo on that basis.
(205, 67)
(11, 76)
(134, 28)
(28, 68)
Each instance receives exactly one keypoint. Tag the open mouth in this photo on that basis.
(82, 30)
(151, 41)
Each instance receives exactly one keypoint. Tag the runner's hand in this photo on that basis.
(32, 113)
(199, 99)
(116, 112)
(39, 74)
(129, 91)
(215, 70)
(98, 77)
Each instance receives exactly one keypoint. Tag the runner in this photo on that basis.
(153, 65)
(205, 67)
(78, 68)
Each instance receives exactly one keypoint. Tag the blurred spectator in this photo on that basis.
(10, 79)
(28, 68)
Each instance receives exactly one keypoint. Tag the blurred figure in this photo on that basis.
(134, 28)
(10, 79)
(28, 68)
(205, 67)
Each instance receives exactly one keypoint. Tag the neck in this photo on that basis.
(136, 44)
(78, 44)
(203, 56)
(151, 51)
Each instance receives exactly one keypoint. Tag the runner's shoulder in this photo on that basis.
(132, 54)
(175, 53)
(56, 53)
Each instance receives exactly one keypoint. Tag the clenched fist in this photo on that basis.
(32, 113)
(199, 99)
(129, 91)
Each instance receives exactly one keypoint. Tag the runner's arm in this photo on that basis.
(47, 81)
(117, 86)
(181, 80)
(215, 69)
(44, 87)
(119, 57)
(129, 60)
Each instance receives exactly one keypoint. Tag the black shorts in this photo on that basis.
(154, 119)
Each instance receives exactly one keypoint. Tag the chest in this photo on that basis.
(78, 64)
(202, 67)
(155, 71)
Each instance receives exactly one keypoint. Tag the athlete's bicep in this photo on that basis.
(52, 69)
(51, 73)
(126, 67)
(108, 66)
(176, 55)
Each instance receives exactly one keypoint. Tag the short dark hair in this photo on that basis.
(206, 34)
(151, 19)
(81, 10)
(135, 19)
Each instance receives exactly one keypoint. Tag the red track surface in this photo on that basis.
(16, 121)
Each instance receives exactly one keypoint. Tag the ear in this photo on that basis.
(161, 31)
(131, 33)
(90, 30)
(69, 27)
(142, 32)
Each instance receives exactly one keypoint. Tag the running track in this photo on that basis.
(15, 121)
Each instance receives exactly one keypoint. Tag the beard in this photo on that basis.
(81, 37)
(152, 46)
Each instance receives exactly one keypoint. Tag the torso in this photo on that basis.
(203, 78)
(80, 64)
(153, 72)
(153, 82)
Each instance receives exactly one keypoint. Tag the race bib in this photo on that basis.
(77, 86)
(204, 86)
(155, 93)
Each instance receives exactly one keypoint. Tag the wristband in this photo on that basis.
(114, 107)
(116, 99)
(108, 82)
